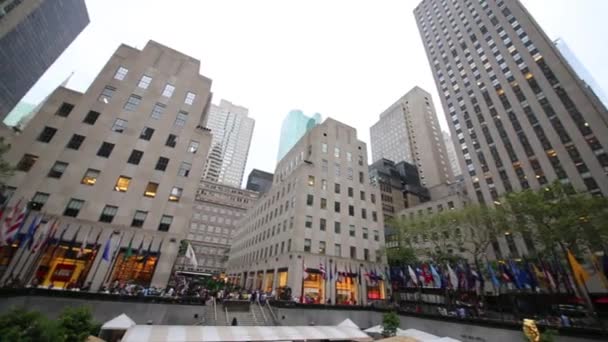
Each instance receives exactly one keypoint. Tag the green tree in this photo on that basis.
(76, 324)
(6, 170)
(390, 323)
(401, 255)
(19, 325)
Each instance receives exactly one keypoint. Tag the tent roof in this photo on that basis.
(347, 323)
(186, 333)
(120, 322)
(375, 329)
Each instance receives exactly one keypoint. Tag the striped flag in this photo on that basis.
(13, 223)
(322, 270)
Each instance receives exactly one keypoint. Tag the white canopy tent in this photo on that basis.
(183, 333)
(348, 324)
(115, 328)
(417, 334)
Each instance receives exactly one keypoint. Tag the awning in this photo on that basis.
(186, 333)
(348, 324)
(121, 322)
(417, 334)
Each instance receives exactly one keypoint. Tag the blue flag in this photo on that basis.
(436, 277)
(106, 250)
(31, 231)
(493, 276)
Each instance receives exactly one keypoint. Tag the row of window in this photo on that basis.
(338, 228)
(337, 207)
(107, 215)
(145, 81)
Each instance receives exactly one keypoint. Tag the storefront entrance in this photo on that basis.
(134, 268)
(62, 267)
(313, 288)
(346, 291)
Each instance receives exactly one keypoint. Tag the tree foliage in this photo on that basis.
(73, 325)
(390, 323)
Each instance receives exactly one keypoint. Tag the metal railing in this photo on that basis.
(226, 311)
(214, 310)
(262, 311)
(255, 319)
(272, 314)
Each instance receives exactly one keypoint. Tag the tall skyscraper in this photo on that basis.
(408, 131)
(451, 152)
(321, 213)
(114, 167)
(294, 126)
(580, 69)
(518, 114)
(33, 33)
(232, 130)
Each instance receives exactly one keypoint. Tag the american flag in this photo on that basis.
(322, 270)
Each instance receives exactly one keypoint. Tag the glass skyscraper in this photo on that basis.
(294, 126)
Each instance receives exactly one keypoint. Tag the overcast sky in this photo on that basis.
(348, 60)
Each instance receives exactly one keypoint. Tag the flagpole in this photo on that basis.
(26, 265)
(113, 260)
(38, 254)
(96, 253)
(85, 272)
(19, 249)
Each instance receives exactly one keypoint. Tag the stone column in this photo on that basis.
(165, 262)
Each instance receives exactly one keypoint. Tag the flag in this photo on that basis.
(304, 269)
(322, 270)
(331, 273)
(452, 277)
(516, 278)
(359, 275)
(72, 243)
(129, 251)
(413, 276)
(549, 276)
(190, 255)
(148, 251)
(58, 241)
(580, 275)
(106, 250)
(493, 276)
(29, 236)
(83, 245)
(436, 277)
(37, 241)
(541, 277)
(140, 248)
(8, 222)
(13, 224)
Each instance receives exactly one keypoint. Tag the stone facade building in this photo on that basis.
(319, 230)
(117, 165)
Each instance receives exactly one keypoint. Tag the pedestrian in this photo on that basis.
(234, 322)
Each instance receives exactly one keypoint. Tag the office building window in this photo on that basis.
(337, 250)
(144, 82)
(165, 223)
(349, 157)
(307, 244)
(321, 247)
(309, 200)
(65, 109)
(374, 216)
(75, 142)
(324, 165)
(135, 157)
(26, 162)
(151, 189)
(181, 118)
(168, 90)
(161, 164)
(90, 177)
(323, 184)
(350, 192)
(337, 188)
(353, 252)
(121, 73)
(324, 147)
(105, 149)
(363, 213)
(146, 133)
(47, 134)
(351, 210)
(119, 125)
(337, 152)
(132, 102)
(351, 230)
(362, 195)
(189, 99)
(308, 222)
(108, 213)
(91, 117)
(376, 235)
(122, 184)
(184, 169)
(193, 146)
(171, 140)
(39, 200)
(361, 177)
(322, 224)
(373, 198)
(365, 254)
(106, 94)
(365, 233)
(311, 180)
(139, 218)
(337, 227)
(175, 194)
(337, 207)
(323, 203)
(58, 169)
(157, 111)
(73, 207)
